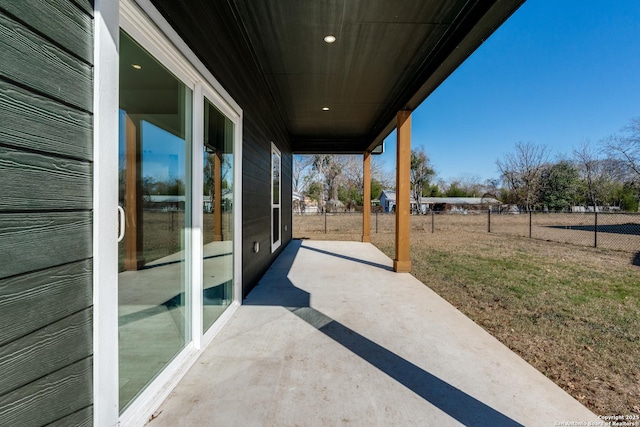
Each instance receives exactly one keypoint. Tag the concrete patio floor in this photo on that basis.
(331, 336)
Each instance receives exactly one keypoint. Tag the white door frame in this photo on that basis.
(145, 24)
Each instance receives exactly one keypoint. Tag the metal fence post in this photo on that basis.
(433, 227)
(595, 229)
(376, 222)
(530, 216)
(325, 221)
(489, 221)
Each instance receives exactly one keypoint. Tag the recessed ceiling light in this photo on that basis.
(325, 108)
(329, 39)
(137, 66)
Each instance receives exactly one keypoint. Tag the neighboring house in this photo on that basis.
(510, 209)
(166, 202)
(295, 196)
(440, 204)
(585, 209)
(104, 304)
(459, 204)
(208, 202)
(297, 202)
(388, 201)
(303, 204)
(310, 205)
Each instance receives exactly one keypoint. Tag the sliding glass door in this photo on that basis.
(179, 181)
(155, 197)
(218, 214)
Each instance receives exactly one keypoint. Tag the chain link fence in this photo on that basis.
(618, 231)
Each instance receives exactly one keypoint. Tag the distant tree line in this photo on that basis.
(326, 179)
(329, 179)
(602, 174)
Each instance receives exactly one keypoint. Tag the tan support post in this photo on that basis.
(402, 262)
(366, 197)
(217, 196)
(133, 259)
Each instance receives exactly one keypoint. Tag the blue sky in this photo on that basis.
(163, 152)
(557, 73)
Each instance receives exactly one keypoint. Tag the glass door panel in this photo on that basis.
(154, 187)
(275, 197)
(217, 222)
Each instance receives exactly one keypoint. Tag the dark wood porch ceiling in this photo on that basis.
(389, 55)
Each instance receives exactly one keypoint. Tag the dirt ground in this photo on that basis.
(616, 231)
(573, 312)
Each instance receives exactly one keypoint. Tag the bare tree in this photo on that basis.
(301, 174)
(521, 170)
(492, 186)
(599, 172)
(319, 163)
(589, 165)
(353, 173)
(626, 149)
(333, 178)
(385, 177)
(329, 170)
(333, 175)
(421, 174)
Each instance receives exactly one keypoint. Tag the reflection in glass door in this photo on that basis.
(276, 215)
(217, 214)
(154, 187)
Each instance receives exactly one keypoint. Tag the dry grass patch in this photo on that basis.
(571, 312)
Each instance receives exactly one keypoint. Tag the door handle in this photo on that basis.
(121, 223)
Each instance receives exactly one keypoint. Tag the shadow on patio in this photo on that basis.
(332, 336)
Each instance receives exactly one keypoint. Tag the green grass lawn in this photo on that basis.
(572, 312)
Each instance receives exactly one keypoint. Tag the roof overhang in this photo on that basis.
(343, 97)
(478, 27)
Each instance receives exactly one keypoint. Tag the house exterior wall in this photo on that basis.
(385, 202)
(45, 212)
(228, 57)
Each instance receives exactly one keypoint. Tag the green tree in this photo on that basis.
(558, 186)
(433, 190)
(376, 188)
(314, 191)
(455, 191)
(508, 196)
(349, 194)
(626, 197)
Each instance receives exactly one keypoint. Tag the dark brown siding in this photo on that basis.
(46, 341)
(211, 30)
